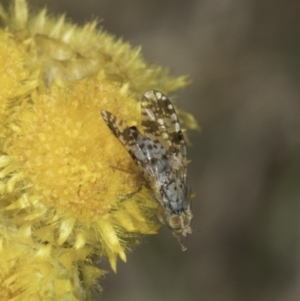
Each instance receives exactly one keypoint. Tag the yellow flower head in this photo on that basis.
(65, 196)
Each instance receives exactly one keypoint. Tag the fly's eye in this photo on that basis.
(175, 222)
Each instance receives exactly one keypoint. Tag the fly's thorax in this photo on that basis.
(174, 194)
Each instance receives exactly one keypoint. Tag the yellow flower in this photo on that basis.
(63, 204)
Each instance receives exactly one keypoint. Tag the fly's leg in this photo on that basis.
(124, 197)
(160, 214)
(123, 170)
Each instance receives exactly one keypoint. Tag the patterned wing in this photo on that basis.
(149, 156)
(125, 135)
(160, 122)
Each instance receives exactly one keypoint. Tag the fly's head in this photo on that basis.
(180, 223)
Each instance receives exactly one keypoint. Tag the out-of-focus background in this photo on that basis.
(243, 57)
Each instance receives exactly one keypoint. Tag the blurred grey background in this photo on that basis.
(243, 58)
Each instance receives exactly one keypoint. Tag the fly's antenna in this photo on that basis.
(182, 246)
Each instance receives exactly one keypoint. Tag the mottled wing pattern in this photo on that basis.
(146, 154)
(125, 135)
(160, 122)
